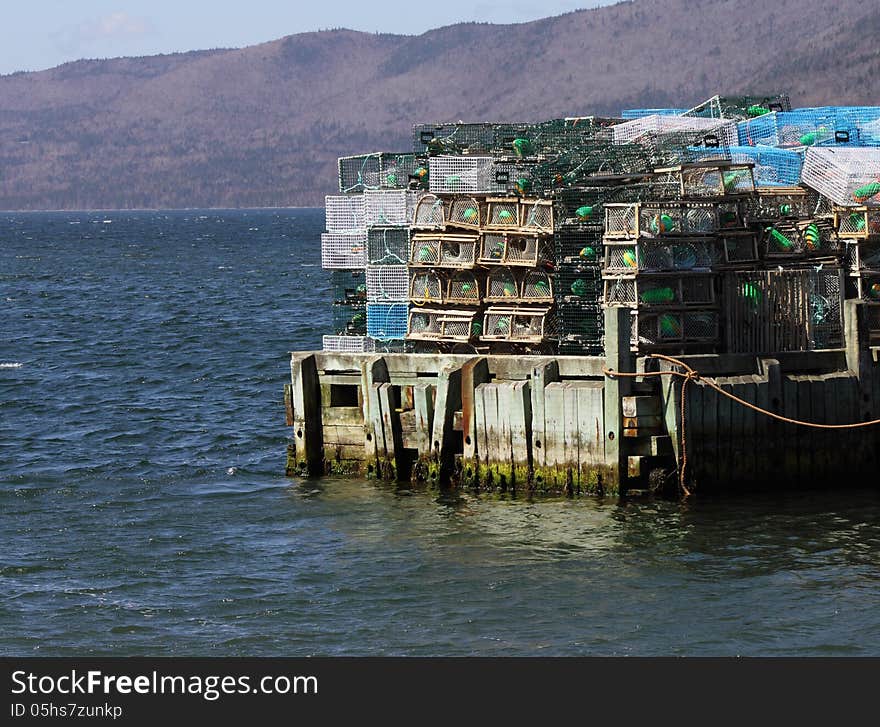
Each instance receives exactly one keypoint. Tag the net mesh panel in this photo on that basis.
(537, 216)
(826, 308)
(343, 251)
(537, 286)
(381, 170)
(458, 253)
(493, 248)
(430, 211)
(387, 283)
(740, 248)
(424, 250)
(578, 244)
(580, 328)
(387, 246)
(349, 319)
(344, 213)
(387, 320)
(426, 286)
(349, 286)
(502, 284)
(423, 323)
(467, 212)
(464, 288)
(503, 214)
(348, 344)
(620, 291)
(768, 205)
(581, 284)
(621, 221)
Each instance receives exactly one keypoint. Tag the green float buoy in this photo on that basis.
(469, 214)
(584, 213)
(812, 237)
(866, 191)
(874, 291)
(579, 287)
(661, 223)
(782, 242)
(587, 252)
(670, 326)
(522, 147)
(756, 110)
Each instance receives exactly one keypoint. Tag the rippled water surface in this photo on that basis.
(144, 510)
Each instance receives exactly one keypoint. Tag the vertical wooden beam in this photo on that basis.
(446, 404)
(308, 434)
(473, 373)
(618, 357)
(520, 429)
(423, 405)
(543, 374)
(389, 403)
(374, 370)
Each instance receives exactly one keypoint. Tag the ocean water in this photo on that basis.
(144, 508)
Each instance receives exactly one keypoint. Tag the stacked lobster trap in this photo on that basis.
(366, 247)
(663, 258)
(738, 224)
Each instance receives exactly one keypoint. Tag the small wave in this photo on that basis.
(11, 365)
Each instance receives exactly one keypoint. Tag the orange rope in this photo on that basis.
(689, 375)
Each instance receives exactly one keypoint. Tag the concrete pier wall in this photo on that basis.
(560, 424)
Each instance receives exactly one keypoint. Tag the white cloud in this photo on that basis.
(115, 34)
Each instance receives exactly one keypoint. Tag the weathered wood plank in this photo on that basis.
(545, 373)
(308, 430)
(521, 434)
(423, 405)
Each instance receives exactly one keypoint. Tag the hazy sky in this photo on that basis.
(38, 34)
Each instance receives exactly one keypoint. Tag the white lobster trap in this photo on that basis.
(848, 176)
(463, 288)
(349, 344)
(389, 207)
(344, 212)
(502, 285)
(343, 250)
(387, 283)
(654, 125)
(466, 174)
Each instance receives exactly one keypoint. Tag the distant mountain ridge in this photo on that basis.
(263, 125)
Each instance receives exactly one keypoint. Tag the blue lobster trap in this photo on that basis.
(387, 321)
